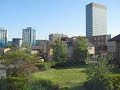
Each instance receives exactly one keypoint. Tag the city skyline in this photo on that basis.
(67, 17)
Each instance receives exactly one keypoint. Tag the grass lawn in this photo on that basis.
(71, 78)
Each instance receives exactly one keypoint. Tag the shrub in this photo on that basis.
(17, 83)
(44, 84)
(113, 82)
(45, 65)
(109, 82)
(13, 83)
(42, 66)
(50, 64)
(68, 63)
(94, 85)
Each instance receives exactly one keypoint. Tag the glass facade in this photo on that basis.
(3, 38)
(96, 20)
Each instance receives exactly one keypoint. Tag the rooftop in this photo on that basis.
(116, 38)
(97, 5)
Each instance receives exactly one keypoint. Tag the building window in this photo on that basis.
(102, 38)
(98, 38)
(98, 43)
(94, 38)
(101, 43)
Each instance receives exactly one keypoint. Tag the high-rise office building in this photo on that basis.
(29, 36)
(96, 19)
(3, 37)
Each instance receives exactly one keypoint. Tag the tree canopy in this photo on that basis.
(59, 51)
(80, 50)
(19, 62)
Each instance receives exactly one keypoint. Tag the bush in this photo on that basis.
(44, 84)
(113, 82)
(45, 65)
(50, 64)
(13, 83)
(109, 82)
(94, 85)
(16, 83)
(68, 63)
(42, 66)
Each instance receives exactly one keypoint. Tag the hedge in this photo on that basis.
(108, 82)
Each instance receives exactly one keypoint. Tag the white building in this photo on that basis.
(29, 36)
(96, 19)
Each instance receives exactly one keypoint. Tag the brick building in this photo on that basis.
(100, 43)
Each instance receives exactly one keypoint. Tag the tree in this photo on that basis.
(101, 68)
(19, 67)
(80, 50)
(59, 51)
(19, 63)
(98, 74)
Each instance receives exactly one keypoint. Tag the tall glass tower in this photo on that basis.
(29, 36)
(3, 38)
(96, 19)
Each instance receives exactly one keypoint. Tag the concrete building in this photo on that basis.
(3, 37)
(100, 43)
(69, 48)
(90, 48)
(50, 54)
(96, 19)
(9, 43)
(69, 45)
(16, 42)
(114, 49)
(29, 36)
(53, 37)
(43, 44)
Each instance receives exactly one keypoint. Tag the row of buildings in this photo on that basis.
(96, 31)
(98, 41)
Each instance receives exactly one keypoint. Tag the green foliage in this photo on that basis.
(94, 85)
(108, 82)
(80, 51)
(13, 83)
(65, 77)
(45, 65)
(88, 59)
(18, 56)
(59, 51)
(43, 84)
(113, 82)
(19, 62)
(99, 69)
(42, 66)
(99, 76)
(17, 83)
(73, 63)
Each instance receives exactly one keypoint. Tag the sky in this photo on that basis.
(53, 16)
